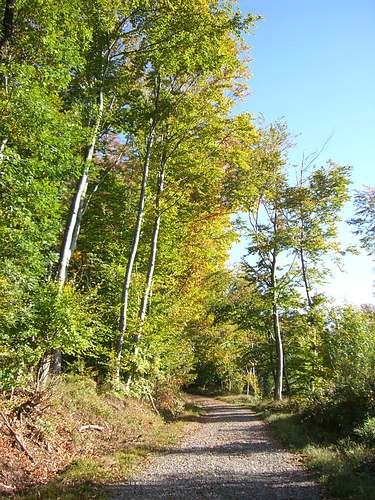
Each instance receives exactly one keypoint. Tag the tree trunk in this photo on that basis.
(133, 251)
(304, 277)
(279, 352)
(152, 259)
(154, 241)
(73, 226)
(77, 206)
(7, 24)
(276, 331)
(271, 345)
(2, 148)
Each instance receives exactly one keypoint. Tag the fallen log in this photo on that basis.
(91, 428)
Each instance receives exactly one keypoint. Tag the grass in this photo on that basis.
(345, 466)
(89, 477)
(133, 433)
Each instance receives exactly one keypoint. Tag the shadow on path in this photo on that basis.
(223, 486)
(247, 464)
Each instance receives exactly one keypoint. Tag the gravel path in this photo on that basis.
(230, 455)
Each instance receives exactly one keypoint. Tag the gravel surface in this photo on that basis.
(230, 455)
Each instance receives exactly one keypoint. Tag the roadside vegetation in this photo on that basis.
(75, 439)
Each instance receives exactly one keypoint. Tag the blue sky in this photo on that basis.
(314, 65)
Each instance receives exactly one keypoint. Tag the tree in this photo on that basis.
(364, 217)
(137, 229)
(292, 224)
(314, 209)
(201, 64)
(270, 236)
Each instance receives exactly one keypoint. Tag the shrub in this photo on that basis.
(366, 432)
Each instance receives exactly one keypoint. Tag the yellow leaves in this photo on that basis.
(79, 256)
(251, 379)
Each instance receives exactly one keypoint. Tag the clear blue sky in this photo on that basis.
(314, 65)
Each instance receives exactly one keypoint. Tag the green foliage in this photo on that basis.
(62, 63)
(48, 320)
(366, 432)
(87, 74)
(363, 219)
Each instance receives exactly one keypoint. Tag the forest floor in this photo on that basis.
(231, 454)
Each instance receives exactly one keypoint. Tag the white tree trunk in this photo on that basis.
(77, 206)
(66, 251)
(277, 334)
(280, 355)
(154, 242)
(305, 278)
(2, 148)
(53, 363)
(133, 253)
(135, 240)
(151, 262)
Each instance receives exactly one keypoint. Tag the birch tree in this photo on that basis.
(137, 230)
(192, 59)
(271, 239)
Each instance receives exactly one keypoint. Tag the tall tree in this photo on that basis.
(138, 226)
(196, 61)
(269, 235)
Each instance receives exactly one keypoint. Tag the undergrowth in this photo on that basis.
(82, 441)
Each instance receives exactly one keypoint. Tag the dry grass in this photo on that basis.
(69, 461)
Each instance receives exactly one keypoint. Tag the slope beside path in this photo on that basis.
(231, 455)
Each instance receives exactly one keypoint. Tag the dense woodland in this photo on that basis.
(126, 177)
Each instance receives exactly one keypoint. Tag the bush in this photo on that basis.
(366, 432)
(168, 397)
(338, 411)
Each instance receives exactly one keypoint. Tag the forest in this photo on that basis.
(126, 176)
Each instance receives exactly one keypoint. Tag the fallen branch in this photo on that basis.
(91, 428)
(152, 402)
(16, 437)
(6, 486)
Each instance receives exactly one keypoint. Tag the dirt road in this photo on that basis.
(232, 454)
